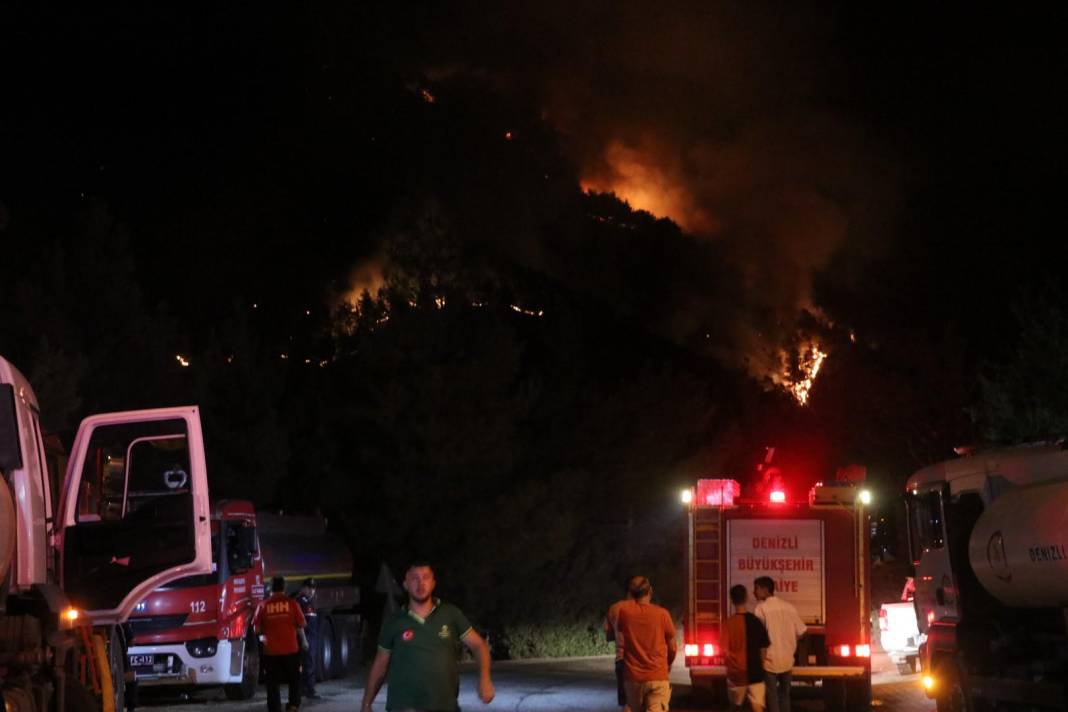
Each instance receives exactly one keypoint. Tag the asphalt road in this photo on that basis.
(579, 685)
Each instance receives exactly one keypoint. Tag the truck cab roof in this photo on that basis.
(1018, 465)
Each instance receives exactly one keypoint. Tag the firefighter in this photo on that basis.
(280, 624)
(306, 601)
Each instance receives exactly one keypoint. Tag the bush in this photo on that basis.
(561, 640)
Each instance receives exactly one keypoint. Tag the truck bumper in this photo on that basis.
(172, 664)
(808, 673)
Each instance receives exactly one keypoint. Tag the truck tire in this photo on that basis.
(834, 695)
(250, 672)
(858, 695)
(954, 695)
(117, 663)
(349, 646)
(324, 670)
(76, 697)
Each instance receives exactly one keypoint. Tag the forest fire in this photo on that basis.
(809, 361)
(643, 178)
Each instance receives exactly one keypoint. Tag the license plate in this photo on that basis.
(136, 660)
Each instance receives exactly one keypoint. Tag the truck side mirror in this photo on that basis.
(10, 449)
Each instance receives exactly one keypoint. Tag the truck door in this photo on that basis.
(936, 588)
(135, 513)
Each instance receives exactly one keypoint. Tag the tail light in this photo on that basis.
(702, 654)
(860, 650)
(777, 496)
(884, 622)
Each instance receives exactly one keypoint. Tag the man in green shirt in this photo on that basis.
(417, 647)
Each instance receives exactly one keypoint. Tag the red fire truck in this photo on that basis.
(815, 550)
(197, 630)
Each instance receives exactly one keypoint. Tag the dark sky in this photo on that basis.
(807, 143)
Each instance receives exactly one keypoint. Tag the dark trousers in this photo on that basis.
(621, 693)
(308, 674)
(282, 668)
(777, 690)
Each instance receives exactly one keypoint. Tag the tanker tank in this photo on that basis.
(1019, 546)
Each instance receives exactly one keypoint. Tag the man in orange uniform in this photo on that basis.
(648, 648)
(280, 624)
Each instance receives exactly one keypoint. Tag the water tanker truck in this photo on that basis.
(988, 534)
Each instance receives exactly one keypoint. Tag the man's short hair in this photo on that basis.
(278, 584)
(309, 583)
(639, 587)
(765, 582)
(418, 564)
(739, 595)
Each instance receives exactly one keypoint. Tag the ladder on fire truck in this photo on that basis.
(705, 572)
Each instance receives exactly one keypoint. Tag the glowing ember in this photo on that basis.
(526, 312)
(427, 96)
(182, 360)
(810, 360)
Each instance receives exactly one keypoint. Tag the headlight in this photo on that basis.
(202, 648)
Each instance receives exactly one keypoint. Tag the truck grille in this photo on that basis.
(155, 624)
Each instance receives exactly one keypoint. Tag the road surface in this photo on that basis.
(578, 685)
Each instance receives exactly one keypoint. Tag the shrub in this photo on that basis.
(558, 640)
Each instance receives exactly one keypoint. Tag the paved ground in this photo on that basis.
(578, 685)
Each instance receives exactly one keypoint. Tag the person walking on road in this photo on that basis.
(417, 650)
(744, 639)
(306, 601)
(785, 628)
(280, 625)
(648, 648)
(611, 634)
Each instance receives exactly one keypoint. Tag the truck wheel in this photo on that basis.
(834, 695)
(117, 663)
(76, 698)
(325, 668)
(348, 646)
(954, 694)
(250, 672)
(858, 695)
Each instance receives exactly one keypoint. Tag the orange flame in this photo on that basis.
(809, 361)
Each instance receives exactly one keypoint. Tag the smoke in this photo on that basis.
(728, 119)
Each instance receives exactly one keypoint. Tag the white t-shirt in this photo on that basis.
(784, 628)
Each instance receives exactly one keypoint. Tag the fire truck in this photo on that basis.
(816, 551)
(132, 515)
(197, 631)
(989, 538)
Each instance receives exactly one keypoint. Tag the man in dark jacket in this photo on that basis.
(306, 601)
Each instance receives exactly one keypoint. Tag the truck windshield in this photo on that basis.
(925, 522)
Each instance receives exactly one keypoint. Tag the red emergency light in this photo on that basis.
(717, 493)
(777, 497)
